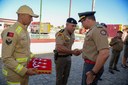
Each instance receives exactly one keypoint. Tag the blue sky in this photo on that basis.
(56, 11)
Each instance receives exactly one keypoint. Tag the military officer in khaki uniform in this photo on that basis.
(125, 57)
(95, 49)
(16, 49)
(63, 52)
(117, 46)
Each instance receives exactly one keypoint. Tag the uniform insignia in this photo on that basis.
(67, 38)
(62, 30)
(99, 26)
(8, 41)
(10, 34)
(59, 34)
(103, 32)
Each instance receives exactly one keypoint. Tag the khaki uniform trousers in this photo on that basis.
(114, 59)
(63, 65)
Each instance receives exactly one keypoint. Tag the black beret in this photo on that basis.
(119, 32)
(103, 24)
(71, 20)
(85, 14)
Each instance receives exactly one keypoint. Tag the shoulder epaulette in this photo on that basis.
(99, 26)
(18, 29)
(62, 30)
(60, 33)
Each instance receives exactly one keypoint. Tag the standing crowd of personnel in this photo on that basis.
(118, 45)
(16, 49)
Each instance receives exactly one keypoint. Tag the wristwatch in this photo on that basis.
(93, 73)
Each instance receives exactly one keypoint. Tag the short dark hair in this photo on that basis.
(119, 32)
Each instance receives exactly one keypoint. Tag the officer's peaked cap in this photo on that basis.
(71, 20)
(85, 14)
(26, 10)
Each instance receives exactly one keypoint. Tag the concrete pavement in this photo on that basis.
(119, 78)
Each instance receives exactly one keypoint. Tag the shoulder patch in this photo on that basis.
(10, 34)
(59, 34)
(8, 41)
(103, 32)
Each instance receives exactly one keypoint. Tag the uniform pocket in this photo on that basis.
(23, 41)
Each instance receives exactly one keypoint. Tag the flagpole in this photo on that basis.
(70, 8)
(40, 16)
(93, 5)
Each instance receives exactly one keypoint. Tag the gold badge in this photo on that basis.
(67, 38)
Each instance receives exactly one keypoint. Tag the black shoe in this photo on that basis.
(116, 69)
(100, 79)
(124, 66)
(111, 71)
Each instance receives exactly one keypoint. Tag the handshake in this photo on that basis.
(77, 52)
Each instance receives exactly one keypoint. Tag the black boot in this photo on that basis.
(124, 66)
(116, 69)
(111, 71)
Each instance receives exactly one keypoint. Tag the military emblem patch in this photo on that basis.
(8, 41)
(103, 32)
(67, 38)
(10, 34)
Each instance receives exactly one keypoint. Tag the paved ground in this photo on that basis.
(119, 78)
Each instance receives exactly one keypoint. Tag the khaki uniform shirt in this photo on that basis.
(65, 39)
(16, 48)
(95, 40)
(126, 40)
(117, 43)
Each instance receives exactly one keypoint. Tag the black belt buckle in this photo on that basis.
(64, 55)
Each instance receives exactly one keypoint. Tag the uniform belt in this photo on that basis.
(64, 55)
(89, 61)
